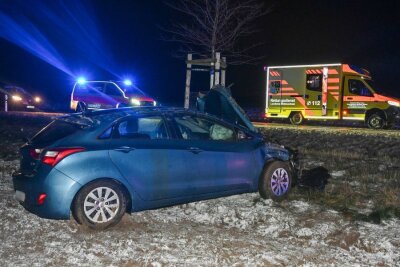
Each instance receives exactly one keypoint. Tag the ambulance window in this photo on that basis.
(275, 87)
(357, 87)
(314, 82)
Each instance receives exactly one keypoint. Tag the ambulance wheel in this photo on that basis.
(376, 121)
(296, 118)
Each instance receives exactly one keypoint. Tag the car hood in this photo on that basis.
(219, 102)
(380, 97)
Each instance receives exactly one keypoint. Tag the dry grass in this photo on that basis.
(364, 168)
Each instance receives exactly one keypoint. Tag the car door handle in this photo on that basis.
(195, 150)
(349, 98)
(125, 149)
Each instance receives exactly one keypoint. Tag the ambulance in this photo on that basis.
(327, 92)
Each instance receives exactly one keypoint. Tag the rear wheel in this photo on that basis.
(376, 121)
(275, 181)
(99, 205)
(296, 118)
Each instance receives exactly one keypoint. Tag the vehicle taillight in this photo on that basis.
(41, 198)
(35, 152)
(55, 155)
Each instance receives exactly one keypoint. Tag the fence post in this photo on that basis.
(223, 71)
(217, 67)
(188, 78)
(5, 102)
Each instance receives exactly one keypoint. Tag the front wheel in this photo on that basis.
(99, 205)
(275, 181)
(296, 118)
(376, 121)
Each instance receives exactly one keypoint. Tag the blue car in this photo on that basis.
(100, 164)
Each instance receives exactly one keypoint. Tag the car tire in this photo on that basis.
(275, 181)
(376, 121)
(81, 107)
(296, 118)
(99, 205)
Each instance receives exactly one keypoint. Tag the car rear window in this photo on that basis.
(56, 130)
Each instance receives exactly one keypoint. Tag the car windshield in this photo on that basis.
(372, 84)
(130, 89)
(54, 131)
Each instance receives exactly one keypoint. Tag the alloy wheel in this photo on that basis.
(101, 205)
(280, 182)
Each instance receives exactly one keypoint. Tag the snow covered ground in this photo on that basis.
(232, 231)
(242, 229)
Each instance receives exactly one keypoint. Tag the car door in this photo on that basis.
(313, 93)
(140, 148)
(215, 162)
(114, 96)
(357, 98)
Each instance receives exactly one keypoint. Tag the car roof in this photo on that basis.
(107, 115)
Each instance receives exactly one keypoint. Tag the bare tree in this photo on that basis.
(216, 26)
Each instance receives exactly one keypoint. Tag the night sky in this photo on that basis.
(128, 42)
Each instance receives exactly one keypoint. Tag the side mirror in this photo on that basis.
(241, 135)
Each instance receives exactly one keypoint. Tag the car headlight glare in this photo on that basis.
(135, 102)
(16, 98)
(154, 103)
(394, 103)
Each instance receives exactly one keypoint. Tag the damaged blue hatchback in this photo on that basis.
(100, 164)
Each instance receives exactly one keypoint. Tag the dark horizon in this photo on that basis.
(361, 33)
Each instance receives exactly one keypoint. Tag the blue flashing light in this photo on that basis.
(128, 82)
(81, 80)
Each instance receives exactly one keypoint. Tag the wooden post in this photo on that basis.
(5, 102)
(217, 67)
(212, 75)
(188, 78)
(223, 71)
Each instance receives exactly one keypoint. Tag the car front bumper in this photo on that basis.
(59, 189)
(393, 114)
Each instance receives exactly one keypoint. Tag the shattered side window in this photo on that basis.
(197, 128)
(152, 127)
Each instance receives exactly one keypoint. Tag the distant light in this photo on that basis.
(128, 82)
(81, 80)
(37, 99)
(16, 98)
(135, 101)
(154, 103)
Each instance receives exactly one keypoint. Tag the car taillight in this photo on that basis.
(41, 198)
(35, 152)
(55, 155)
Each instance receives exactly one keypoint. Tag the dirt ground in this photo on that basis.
(328, 221)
